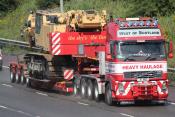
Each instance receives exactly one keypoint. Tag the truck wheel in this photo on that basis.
(75, 93)
(12, 76)
(90, 90)
(18, 78)
(28, 82)
(96, 92)
(23, 79)
(1, 68)
(108, 95)
(83, 88)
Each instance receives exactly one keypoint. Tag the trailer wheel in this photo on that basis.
(108, 95)
(96, 92)
(90, 90)
(0, 67)
(28, 82)
(12, 76)
(23, 79)
(83, 88)
(75, 93)
(18, 80)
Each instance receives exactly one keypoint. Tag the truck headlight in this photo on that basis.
(164, 87)
(121, 88)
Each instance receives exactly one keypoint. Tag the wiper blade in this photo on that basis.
(152, 57)
(129, 58)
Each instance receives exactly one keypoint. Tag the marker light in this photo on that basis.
(122, 24)
(155, 23)
(141, 23)
(148, 23)
(135, 23)
(130, 23)
(117, 21)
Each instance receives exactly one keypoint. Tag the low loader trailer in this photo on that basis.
(123, 60)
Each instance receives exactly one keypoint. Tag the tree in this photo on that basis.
(44, 4)
(6, 5)
(153, 7)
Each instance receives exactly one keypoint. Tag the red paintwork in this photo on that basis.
(112, 34)
(18, 68)
(67, 43)
(141, 91)
(61, 86)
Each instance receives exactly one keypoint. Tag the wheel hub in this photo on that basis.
(27, 80)
(96, 92)
(22, 79)
(83, 90)
(75, 89)
(11, 75)
(89, 91)
(17, 77)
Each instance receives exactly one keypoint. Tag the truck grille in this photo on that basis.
(143, 74)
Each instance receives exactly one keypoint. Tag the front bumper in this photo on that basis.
(141, 91)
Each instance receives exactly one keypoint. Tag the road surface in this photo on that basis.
(18, 101)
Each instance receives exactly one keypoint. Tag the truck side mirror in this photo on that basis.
(170, 49)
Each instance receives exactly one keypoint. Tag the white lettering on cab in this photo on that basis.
(138, 66)
(138, 32)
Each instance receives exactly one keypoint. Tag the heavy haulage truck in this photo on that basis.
(124, 59)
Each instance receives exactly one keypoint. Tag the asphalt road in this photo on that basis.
(18, 101)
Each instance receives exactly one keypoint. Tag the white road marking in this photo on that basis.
(172, 103)
(24, 113)
(83, 104)
(18, 111)
(124, 114)
(41, 93)
(7, 85)
(3, 107)
(6, 67)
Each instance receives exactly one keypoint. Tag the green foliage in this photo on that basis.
(153, 7)
(11, 49)
(168, 28)
(45, 4)
(7, 5)
(119, 8)
(11, 24)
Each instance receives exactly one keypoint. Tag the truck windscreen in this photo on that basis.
(141, 51)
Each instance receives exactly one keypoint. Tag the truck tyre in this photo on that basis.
(17, 77)
(28, 83)
(75, 93)
(12, 76)
(96, 92)
(0, 67)
(83, 88)
(108, 95)
(23, 79)
(90, 90)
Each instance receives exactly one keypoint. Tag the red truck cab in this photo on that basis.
(136, 60)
